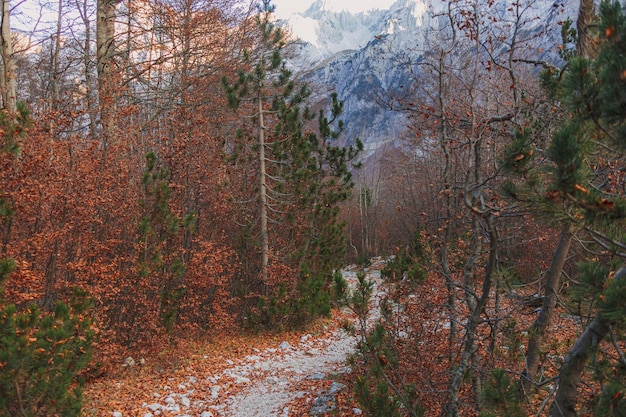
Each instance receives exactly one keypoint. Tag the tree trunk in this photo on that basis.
(105, 45)
(364, 207)
(474, 320)
(538, 328)
(447, 192)
(56, 76)
(586, 44)
(263, 196)
(87, 68)
(8, 80)
(564, 404)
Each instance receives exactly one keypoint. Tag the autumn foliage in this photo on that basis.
(132, 203)
(143, 210)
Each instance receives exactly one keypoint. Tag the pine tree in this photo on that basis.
(578, 184)
(500, 396)
(574, 185)
(321, 185)
(42, 356)
(299, 177)
(380, 389)
(266, 80)
(159, 231)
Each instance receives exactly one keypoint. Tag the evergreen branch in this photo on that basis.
(274, 202)
(609, 248)
(604, 145)
(252, 199)
(274, 178)
(543, 64)
(271, 219)
(278, 193)
(275, 161)
(585, 247)
(606, 238)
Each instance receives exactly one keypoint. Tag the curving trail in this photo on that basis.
(276, 373)
(266, 383)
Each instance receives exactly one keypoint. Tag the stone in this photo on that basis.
(272, 380)
(154, 406)
(335, 387)
(322, 405)
(325, 403)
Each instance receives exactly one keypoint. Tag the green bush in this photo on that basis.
(501, 396)
(286, 311)
(41, 358)
(612, 402)
(407, 262)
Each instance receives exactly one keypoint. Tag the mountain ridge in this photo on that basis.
(357, 54)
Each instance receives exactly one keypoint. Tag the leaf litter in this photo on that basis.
(286, 374)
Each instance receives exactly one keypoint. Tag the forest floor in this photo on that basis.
(285, 374)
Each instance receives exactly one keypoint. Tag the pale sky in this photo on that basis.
(285, 8)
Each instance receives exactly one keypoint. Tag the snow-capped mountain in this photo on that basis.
(326, 29)
(357, 54)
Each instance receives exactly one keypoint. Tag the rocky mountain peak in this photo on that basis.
(355, 53)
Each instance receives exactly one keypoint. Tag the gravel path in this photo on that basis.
(268, 395)
(263, 384)
(312, 358)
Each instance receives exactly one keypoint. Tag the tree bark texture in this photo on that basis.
(9, 82)
(565, 402)
(265, 245)
(587, 45)
(540, 325)
(56, 76)
(92, 110)
(469, 347)
(105, 47)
